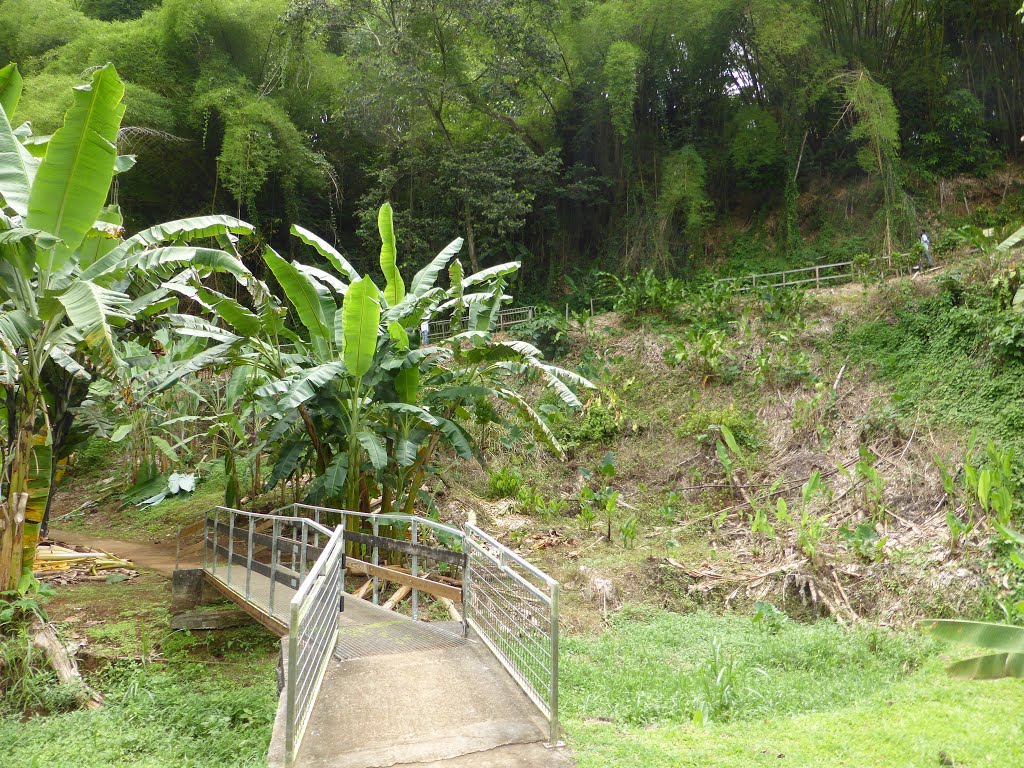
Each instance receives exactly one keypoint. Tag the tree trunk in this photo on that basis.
(470, 241)
(15, 547)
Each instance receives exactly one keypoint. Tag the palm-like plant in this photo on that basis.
(353, 392)
(65, 277)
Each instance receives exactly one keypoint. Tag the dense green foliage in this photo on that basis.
(555, 133)
(954, 356)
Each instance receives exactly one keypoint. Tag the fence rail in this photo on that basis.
(822, 274)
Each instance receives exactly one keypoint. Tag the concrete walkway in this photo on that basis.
(403, 693)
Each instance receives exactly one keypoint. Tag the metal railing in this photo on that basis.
(312, 634)
(292, 569)
(507, 317)
(511, 605)
(822, 273)
(513, 608)
(422, 554)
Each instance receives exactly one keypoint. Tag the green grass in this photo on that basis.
(206, 699)
(182, 716)
(816, 694)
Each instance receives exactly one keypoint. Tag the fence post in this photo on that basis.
(248, 558)
(817, 277)
(553, 695)
(467, 580)
(206, 542)
(231, 542)
(216, 525)
(302, 556)
(273, 562)
(415, 572)
(375, 558)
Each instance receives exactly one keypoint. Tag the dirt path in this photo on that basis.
(152, 557)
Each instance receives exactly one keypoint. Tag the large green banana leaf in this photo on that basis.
(73, 179)
(10, 89)
(302, 295)
(324, 249)
(394, 288)
(424, 280)
(360, 326)
(125, 255)
(1006, 638)
(17, 166)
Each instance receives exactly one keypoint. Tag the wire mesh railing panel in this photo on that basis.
(507, 317)
(417, 555)
(513, 607)
(312, 634)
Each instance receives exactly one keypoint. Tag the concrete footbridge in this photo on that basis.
(444, 654)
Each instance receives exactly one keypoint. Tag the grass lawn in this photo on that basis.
(808, 695)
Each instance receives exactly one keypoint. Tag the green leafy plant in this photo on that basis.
(768, 618)
(1006, 640)
(864, 541)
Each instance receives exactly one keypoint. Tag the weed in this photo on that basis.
(722, 684)
(506, 483)
(864, 541)
(629, 532)
(768, 618)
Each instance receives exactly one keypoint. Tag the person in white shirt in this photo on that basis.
(424, 332)
(926, 243)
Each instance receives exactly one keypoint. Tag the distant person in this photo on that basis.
(926, 243)
(425, 332)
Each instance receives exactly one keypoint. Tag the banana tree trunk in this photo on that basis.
(22, 518)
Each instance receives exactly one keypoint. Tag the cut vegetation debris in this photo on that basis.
(65, 565)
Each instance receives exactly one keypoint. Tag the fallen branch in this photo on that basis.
(63, 663)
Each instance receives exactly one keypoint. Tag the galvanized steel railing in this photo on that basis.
(513, 607)
(312, 635)
(292, 570)
(510, 604)
(507, 317)
(421, 545)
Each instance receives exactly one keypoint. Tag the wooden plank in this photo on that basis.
(453, 612)
(423, 585)
(364, 590)
(276, 626)
(399, 596)
(436, 554)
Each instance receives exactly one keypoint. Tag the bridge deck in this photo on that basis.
(232, 584)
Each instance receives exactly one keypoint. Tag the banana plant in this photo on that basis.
(66, 275)
(1005, 639)
(352, 389)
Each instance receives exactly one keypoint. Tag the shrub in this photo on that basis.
(548, 331)
(600, 422)
(505, 483)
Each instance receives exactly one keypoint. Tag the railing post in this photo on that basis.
(374, 559)
(305, 544)
(206, 542)
(553, 703)
(291, 688)
(415, 572)
(231, 542)
(817, 277)
(273, 562)
(248, 558)
(467, 580)
(216, 526)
